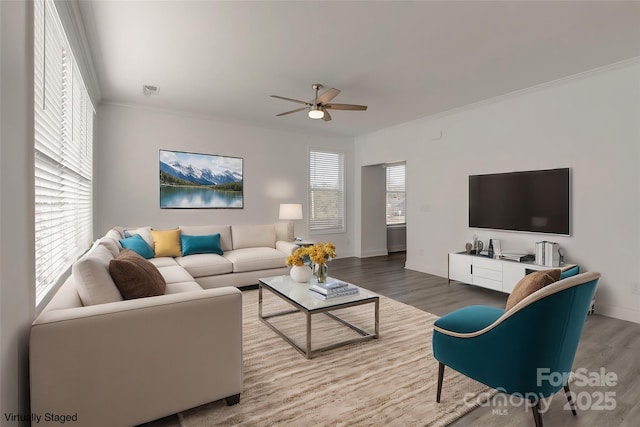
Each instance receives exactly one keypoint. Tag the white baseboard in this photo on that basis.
(618, 312)
(374, 252)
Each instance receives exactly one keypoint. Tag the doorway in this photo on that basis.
(383, 214)
(396, 207)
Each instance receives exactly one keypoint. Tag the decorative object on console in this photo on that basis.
(193, 180)
(315, 256)
(468, 247)
(497, 250)
(290, 212)
(540, 252)
(551, 254)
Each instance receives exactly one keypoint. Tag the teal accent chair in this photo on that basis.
(521, 351)
(572, 271)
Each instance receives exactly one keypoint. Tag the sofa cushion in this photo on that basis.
(136, 277)
(137, 244)
(115, 235)
(178, 287)
(209, 244)
(531, 283)
(253, 236)
(144, 232)
(201, 265)
(92, 279)
(175, 274)
(165, 261)
(166, 242)
(110, 244)
(251, 259)
(202, 230)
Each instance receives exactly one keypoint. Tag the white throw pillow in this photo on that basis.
(144, 232)
(92, 278)
(253, 236)
(115, 235)
(109, 243)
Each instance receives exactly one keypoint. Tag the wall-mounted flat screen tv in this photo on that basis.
(534, 201)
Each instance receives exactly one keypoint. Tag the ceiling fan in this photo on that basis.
(317, 108)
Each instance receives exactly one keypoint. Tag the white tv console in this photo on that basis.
(497, 274)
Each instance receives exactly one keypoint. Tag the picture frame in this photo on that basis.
(200, 181)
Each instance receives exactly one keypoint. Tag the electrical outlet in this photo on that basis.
(635, 288)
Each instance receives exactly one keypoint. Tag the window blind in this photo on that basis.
(63, 129)
(396, 203)
(326, 192)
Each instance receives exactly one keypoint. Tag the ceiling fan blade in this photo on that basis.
(328, 96)
(292, 111)
(326, 116)
(346, 107)
(290, 99)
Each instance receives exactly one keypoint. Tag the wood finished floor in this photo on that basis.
(606, 343)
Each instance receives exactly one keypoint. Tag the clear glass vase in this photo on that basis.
(321, 273)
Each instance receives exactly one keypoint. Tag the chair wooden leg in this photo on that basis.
(537, 415)
(440, 377)
(233, 400)
(572, 404)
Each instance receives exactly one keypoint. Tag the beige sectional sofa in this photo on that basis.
(109, 361)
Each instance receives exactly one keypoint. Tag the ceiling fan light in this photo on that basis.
(315, 113)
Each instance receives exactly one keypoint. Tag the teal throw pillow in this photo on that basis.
(137, 244)
(209, 244)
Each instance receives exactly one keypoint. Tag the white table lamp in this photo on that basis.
(290, 212)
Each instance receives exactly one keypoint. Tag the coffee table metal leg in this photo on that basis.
(308, 355)
(377, 309)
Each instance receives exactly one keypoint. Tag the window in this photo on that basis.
(326, 192)
(396, 205)
(63, 125)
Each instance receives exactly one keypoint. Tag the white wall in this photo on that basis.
(275, 169)
(589, 123)
(17, 279)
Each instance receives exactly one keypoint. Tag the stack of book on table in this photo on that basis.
(332, 289)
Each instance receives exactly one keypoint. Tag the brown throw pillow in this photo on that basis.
(531, 283)
(136, 277)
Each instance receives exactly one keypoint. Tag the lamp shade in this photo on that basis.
(290, 211)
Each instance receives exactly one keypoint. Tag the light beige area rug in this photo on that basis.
(389, 381)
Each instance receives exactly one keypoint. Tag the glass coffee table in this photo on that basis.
(297, 295)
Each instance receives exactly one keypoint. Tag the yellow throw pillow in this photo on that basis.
(531, 283)
(166, 242)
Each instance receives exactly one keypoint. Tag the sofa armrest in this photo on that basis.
(286, 247)
(129, 362)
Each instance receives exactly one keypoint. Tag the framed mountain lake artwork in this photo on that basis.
(200, 181)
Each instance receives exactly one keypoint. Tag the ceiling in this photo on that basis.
(405, 60)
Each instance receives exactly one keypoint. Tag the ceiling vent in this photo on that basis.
(148, 90)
